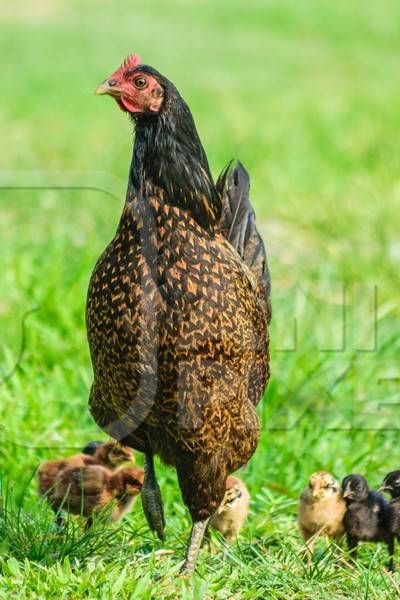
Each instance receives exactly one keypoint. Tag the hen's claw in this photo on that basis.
(151, 499)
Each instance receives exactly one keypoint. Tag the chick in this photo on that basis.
(233, 510)
(87, 490)
(110, 454)
(368, 516)
(321, 509)
(391, 484)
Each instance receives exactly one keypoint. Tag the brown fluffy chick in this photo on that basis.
(233, 510)
(110, 454)
(321, 509)
(87, 490)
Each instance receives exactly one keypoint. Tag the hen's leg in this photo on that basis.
(192, 552)
(151, 498)
(202, 484)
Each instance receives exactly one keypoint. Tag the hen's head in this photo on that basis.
(136, 88)
(323, 485)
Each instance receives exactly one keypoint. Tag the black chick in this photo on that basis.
(391, 485)
(368, 516)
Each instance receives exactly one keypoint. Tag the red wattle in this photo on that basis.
(129, 106)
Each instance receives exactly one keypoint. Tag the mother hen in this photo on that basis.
(178, 306)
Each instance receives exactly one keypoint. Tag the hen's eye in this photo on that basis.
(140, 83)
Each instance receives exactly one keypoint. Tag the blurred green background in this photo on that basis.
(306, 94)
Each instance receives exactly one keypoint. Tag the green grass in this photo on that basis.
(306, 94)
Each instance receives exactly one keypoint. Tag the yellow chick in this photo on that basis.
(321, 509)
(233, 510)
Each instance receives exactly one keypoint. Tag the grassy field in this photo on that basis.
(306, 94)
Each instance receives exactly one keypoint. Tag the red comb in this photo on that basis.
(132, 61)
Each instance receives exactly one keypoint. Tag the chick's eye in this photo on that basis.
(140, 83)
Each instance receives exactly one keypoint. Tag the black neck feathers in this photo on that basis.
(169, 160)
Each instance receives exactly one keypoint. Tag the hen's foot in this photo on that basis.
(196, 537)
(151, 499)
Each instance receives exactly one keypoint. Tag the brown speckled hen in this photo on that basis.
(178, 307)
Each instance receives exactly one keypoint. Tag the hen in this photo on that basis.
(177, 308)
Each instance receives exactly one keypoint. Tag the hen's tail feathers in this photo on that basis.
(238, 225)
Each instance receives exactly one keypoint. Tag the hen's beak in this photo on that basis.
(107, 88)
(103, 88)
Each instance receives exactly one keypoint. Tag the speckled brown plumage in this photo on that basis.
(176, 319)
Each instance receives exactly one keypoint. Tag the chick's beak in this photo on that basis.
(384, 488)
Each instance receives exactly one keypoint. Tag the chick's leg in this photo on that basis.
(309, 539)
(192, 552)
(59, 521)
(352, 546)
(151, 498)
(58, 518)
(391, 552)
